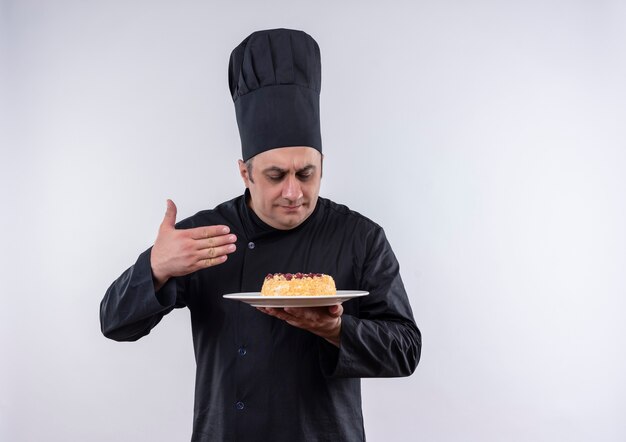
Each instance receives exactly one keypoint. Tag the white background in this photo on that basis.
(487, 137)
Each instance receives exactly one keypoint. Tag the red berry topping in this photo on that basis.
(288, 276)
(269, 276)
(299, 275)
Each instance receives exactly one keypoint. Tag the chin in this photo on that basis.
(286, 224)
(291, 224)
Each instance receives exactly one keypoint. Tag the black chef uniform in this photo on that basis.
(258, 378)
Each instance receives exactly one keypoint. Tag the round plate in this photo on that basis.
(256, 300)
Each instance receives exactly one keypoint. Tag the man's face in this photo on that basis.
(284, 185)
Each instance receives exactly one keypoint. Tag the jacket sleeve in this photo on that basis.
(131, 307)
(382, 339)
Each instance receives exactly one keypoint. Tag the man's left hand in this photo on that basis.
(322, 321)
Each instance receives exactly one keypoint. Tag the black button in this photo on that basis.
(251, 245)
(242, 351)
(239, 405)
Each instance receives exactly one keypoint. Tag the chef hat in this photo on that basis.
(275, 81)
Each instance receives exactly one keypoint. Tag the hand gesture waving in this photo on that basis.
(180, 252)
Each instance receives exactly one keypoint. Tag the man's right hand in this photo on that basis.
(180, 252)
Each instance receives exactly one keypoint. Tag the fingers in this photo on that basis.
(178, 252)
(280, 313)
(206, 232)
(215, 241)
(210, 262)
(335, 310)
(314, 314)
(213, 255)
(322, 321)
(311, 313)
(212, 244)
(283, 314)
(169, 220)
(216, 252)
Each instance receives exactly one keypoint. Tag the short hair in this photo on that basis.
(249, 168)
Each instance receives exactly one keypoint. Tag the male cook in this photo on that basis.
(289, 374)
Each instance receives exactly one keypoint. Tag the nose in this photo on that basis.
(291, 189)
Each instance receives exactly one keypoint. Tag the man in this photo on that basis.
(272, 374)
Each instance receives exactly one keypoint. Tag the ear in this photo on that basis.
(243, 171)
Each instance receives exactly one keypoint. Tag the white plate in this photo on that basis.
(256, 300)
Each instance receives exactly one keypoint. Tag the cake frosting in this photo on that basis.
(298, 284)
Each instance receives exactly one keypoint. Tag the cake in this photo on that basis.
(298, 284)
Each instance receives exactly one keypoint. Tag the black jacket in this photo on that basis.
(258, 378)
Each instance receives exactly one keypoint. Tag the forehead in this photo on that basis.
(288, 157)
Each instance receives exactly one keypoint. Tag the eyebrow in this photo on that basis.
(277, 169)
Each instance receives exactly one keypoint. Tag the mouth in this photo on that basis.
(291, 207)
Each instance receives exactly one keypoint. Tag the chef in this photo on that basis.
(274, 374)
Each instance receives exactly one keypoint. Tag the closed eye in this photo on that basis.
(276, 177)
(306, 173)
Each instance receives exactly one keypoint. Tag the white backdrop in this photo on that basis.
(488, 138)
